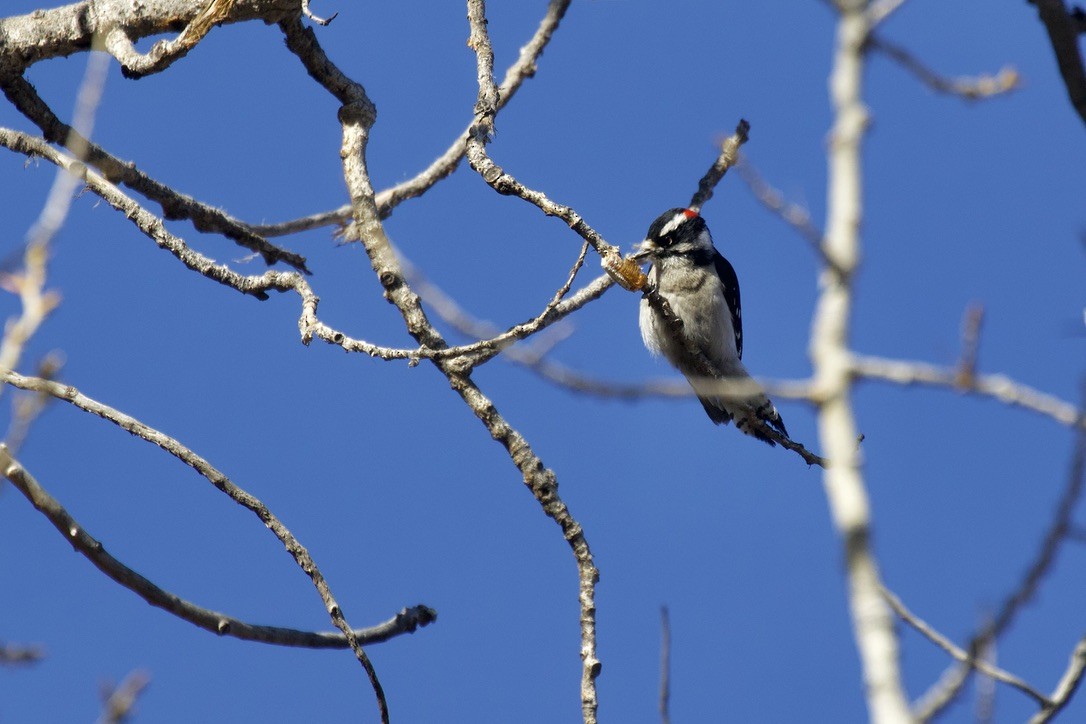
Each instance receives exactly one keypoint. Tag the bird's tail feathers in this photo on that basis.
(752, 418)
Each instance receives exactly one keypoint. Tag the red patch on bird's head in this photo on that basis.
(690, 213)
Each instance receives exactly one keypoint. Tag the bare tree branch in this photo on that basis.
(792, 214)
(444, 165)
(999, 387)
(729, 156)
(163, 54)
(259, 286)
(27, 406)
(970, 89)
(486, 108)
(880, 10)
(356, 117)
(63, 31)
(404, 622)
(175, 205)
(12, 470)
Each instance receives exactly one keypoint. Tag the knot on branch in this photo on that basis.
(359, 112)
(410, 619)
(389, 279)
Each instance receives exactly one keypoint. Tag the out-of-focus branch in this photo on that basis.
(119, 702)
(999, 387)
(27, 406)
(969, 88)
(880, 10)
(1063, 30)
(791, 213)
(957, 653)
(872, 620)
(444, 165)
(29, 284)
(18, 655)
(972, 320)
(729, 156)
(1062, 528)
(175, 205)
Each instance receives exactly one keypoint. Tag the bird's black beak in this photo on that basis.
(646, 250)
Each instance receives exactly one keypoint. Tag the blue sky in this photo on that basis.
(403, 498)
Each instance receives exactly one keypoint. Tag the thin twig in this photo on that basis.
(540, 480)
(63, 522)
(972, 320)
(729, 155)
(957, 653)
(175, 205)
(37, 304)
(406, 621)
(486, 108)
(999, 387)
(356, 118)
(442, 167)
(969, 88)
(495, 342)
(790, 213)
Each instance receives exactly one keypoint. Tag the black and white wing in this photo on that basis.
(726, 273)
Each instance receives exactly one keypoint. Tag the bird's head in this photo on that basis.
(676, 232)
